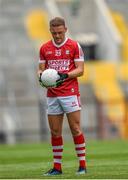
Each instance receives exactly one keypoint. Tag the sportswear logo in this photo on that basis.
(74, 104)
(59, 64)
(67, 52)
(72, 90)
(58, 52)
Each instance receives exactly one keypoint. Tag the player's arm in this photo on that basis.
(41, 68)
(42, 61)
(78, 71)
(79, 64)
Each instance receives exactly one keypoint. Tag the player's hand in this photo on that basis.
(63, 77)
(40, 81)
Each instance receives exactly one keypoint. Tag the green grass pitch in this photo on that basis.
(105, 160)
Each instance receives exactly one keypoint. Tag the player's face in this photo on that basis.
(58, 33)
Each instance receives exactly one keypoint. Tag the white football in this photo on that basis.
(49, 77)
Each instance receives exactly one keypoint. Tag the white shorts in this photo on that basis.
(66, 104)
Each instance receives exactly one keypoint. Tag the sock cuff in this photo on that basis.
(56, 141)
(79, 139)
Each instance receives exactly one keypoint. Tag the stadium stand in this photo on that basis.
(119, 14)
(122, 26)
(103, 78)
(122, 72)
(23, 26)
(18, 85)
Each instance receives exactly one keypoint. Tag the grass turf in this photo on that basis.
(105, 160)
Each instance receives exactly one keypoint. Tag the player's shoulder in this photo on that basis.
(72, 42)
(46, 44)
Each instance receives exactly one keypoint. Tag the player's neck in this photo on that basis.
(59, 45)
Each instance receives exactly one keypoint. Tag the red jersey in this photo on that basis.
(62, 58)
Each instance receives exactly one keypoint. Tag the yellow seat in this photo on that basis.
(123, 29)
(37, 25)
(109, 93)
(122, 71)
(120, 22)
(125, 48)
(103, 72)
(111, 96)
(86, 76)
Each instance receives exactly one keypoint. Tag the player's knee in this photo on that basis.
(55, 132)
(75, 131)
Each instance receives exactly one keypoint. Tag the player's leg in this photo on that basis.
(55, 124)
(55, 119)
(78, 137)
(74, 122)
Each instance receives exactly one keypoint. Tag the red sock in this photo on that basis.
(80, 149)
(57, 145)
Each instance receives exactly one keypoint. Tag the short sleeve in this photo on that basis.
(79, 55)
(41, 56)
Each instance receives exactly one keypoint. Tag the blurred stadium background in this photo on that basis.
(101, 27)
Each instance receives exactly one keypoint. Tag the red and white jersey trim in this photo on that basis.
(82, 59)
(42, 61)
(56, 45)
